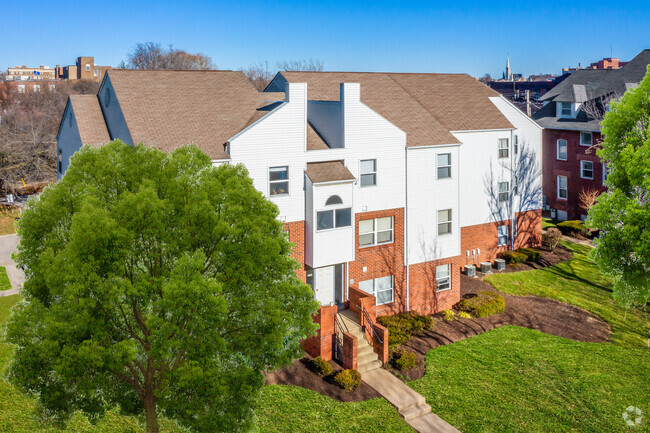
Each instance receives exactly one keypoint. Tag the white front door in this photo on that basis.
(324, 285)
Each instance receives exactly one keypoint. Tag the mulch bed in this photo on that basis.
(546, 315)
(299, 373)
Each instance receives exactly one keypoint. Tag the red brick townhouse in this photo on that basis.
(389, 184)
(571, 120)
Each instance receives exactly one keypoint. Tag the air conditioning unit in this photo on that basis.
(486, 267)
(499, 264)
(470, 270)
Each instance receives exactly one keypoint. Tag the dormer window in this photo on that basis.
(565, 109)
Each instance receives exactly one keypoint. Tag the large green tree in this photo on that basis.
(623, 212)
(157, 283)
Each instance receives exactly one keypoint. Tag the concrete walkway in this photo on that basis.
(8, 245)
(410, 405)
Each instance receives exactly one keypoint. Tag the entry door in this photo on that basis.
(324, 285)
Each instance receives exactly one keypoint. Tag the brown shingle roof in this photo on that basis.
(90, 120)
(425, 106)
(169, 109)
(314, 139)
(328, 171)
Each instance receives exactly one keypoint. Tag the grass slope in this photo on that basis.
(579, 282)
(5, 284)
(285, 408)
(515, 379)
(8, 219)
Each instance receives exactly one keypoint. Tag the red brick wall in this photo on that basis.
(422, 278)
(322, 344)
(552, 167)
(296, 230)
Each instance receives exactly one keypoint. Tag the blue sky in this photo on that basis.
(427, 36)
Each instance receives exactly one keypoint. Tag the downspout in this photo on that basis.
(406, 228)
(512, 201)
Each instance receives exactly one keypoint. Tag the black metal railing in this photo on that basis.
(341, 327)
(367, 320)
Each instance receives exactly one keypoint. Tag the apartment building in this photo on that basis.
(24, 73)
(388, 184)
(83, 69)
(571, 118)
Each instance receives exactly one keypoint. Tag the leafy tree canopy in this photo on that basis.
(623, 213)
(157, 283)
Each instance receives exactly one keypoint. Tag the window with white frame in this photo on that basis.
(516, 144)
(335, 218)
(368, 168)
(37, 88)
(52, 87)
(444, 222)
(504, 191)
(586, 169)
(503, 148)
(96, 73)
(87, 66)
(21, 88)
(562, 187)
(279, 180)
(503, 235)
(565, 109)
(443, 277)
(443, 163)
(605, 171)
(585, 138)
(381, 288)
(562, 150)
(375, 231)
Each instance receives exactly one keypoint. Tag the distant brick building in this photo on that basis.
(24, 73)
(83, 69)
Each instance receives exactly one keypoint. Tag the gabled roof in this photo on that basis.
(426, 106)
(90, 120)
(169, 109)
(314, 140)
(329, 171)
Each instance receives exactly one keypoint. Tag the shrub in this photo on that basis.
(531, 254)
(512, 257)
(551, 238)
(449, 315)
(321, 367)
(484, 304)
(405, 360)
(401, 326)
(574, 228)
(464, 315)
(349, 380)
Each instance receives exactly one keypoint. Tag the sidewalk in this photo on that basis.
(8, 245)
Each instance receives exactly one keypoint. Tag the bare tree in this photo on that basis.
(312, 65)
(588, 198)
(150, 55)
(259, 75)
(596, 108)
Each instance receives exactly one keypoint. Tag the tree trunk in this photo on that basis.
(150, 413)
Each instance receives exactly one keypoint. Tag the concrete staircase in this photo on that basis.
(367, 359)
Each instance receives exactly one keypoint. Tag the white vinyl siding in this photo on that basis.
(586, 169)
(380, 288)
(375, 231)
(562, 187)
(443, 277)
(562, 150)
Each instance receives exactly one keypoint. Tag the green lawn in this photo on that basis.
(515, 379)
(579, 282)
(5, 284)
(294, 409)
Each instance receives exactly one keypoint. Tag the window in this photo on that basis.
(87, 66)
(586, 169)
(444, 222)
(60, 161)
(380, 288)
(21, 88)
(516, 144)
(376, 231)
(565, 109)
(585, 138)
(96, 73)
(444, 165)
(443, 277)
(561, 187)
(37, 88)
(503, 235)
(605, 171)
(515, 185)
(503, 148)
(329, 219)
(52, 87)
(368, 172)
(279, 180)
(504, 191)
(333, 200)
(561, 150)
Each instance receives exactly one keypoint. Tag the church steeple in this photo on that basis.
(507, 75)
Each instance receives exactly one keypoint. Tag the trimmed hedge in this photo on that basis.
(484, 304)
(573, 228)
(321, 367)
(532, 255)
(401, 326)
(512, 257)
(404, 360)
(349, 380)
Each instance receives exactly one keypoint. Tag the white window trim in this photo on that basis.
(506, 148)
(557, 152)
(375, 231)
(557, 192)
(333, 210)
(443, 166)
(499, 236)
(592, 138)
(278, 181)
(370, 172)
(450, 222)
(499, 192)
(374, 289)
(448, 278)
(570, 110)
(582, 162)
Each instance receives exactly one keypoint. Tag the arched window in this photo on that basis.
(335, 199)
